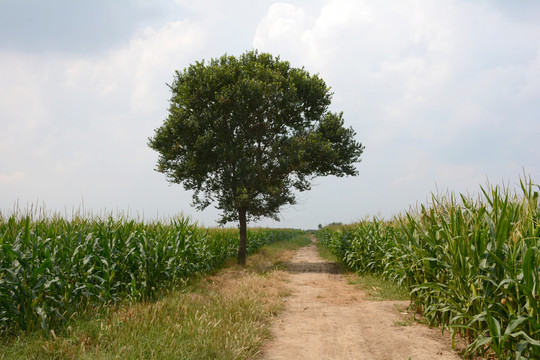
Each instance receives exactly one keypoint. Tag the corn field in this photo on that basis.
(52, 268)
(472, 265)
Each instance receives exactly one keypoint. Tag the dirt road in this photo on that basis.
(326, 318)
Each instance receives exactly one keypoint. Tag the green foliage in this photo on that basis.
(52, 268)
(246, 131)
(472, 266)
(224, 316)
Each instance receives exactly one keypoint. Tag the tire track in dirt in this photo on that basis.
(327, 318)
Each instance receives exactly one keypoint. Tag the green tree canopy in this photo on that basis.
(247, 132)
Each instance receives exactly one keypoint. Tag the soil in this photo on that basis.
(327, 318)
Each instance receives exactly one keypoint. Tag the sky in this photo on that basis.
(444, 95)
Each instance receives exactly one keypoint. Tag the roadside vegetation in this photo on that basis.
(375, 285)
(379, 288)
(471, 265)
(52, 268)
(224, 315)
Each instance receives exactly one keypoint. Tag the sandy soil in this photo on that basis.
(326, 318)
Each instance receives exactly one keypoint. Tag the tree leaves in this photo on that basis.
(247, 131)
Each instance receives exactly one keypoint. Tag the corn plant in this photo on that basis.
(472, 265)
(51, 268)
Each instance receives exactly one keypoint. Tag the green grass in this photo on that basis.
(222, 316)
(277, 248)
(406, 322)
(200, 323)
(327, 254)
(379, 288)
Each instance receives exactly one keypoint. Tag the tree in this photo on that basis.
(246, 132)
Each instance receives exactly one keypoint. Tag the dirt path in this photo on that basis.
(326, 318)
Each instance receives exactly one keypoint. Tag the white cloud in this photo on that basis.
(340, 14)
(140, 67)
(11, 178)
(440, 93)
(430, 89)
(416, 165)
(78, 126)
(530, 91)
(282, 23)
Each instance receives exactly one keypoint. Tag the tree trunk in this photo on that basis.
(243, 237)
